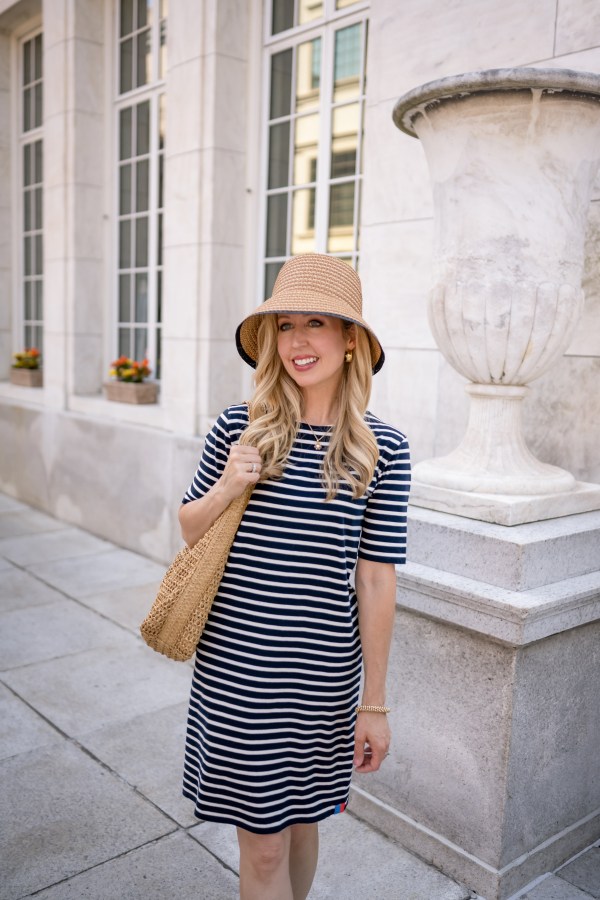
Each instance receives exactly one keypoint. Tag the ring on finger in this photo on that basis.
(253, 470)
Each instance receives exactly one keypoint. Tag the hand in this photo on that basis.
(243, 467)
(371, 741)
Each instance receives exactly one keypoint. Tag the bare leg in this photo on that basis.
(265, 865)
(304, 854)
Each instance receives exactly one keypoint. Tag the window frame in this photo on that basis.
(324, 27)
(154, 91)
(22, 138)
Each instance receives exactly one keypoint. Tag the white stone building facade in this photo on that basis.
(159, 160)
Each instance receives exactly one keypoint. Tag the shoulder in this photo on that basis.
(390, 439)
(232, 421)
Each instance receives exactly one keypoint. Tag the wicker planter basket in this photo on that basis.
(27, 377)
(131, 391)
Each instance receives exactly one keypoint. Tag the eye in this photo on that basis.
(285, 326)
(315, 323)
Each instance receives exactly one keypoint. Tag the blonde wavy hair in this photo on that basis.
(278, 409)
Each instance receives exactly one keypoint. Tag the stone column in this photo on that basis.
(512, 154)
(74, 139)
(204, 210)
(5, 212)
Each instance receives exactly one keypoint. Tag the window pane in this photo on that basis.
(141, 298)
(303, 222)
(38, 310)
(281, 84)
(161, 121)
(309, 10)
(27, 165)
(26, 63)
(27, 256)
(279, 154)
(144, 14)
(27, 99)
(346, 67)
(159, 297)
(160, 240)
(341, 217)
(142, 185)
(342, 4)
(126, 61)
(157, 367)
(38, 162)
(27, 211)
(144, 59)
(141, 242)
(344, 140)
(141, 343)
(37, 105)
(276, 225)
(308, 74)
(164, 9)
(37, 65)
(124, 298)
(27, 291)
(283, 15)
(126, 17)
(125, 244)
(37, 207)
(162, 59)
(161, 170)
(125, 190)
(271, 273)
(306, 147)
(143, 129)
(125, 149)
(39, 256)
(124, 342)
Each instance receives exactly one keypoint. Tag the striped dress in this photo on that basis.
(270, 734)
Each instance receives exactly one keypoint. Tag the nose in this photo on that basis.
(298, 337)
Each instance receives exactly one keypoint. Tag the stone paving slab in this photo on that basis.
(174, 866)
(126, 607)
(19, 589)
(22, 729)
(10, 504)
(60, 544)
(35, 634)
(554, 888)
(156, 772)
(584, 872)
(87, 691)
(87, 575)
(27, 521)
(66, 813)
(355, 862)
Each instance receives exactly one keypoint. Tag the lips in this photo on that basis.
(304, 362)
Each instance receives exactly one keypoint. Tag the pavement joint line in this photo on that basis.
(98, 864)
(80, 602)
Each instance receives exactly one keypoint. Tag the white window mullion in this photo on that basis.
(324, 164)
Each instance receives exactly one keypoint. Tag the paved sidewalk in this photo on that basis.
(91, 747)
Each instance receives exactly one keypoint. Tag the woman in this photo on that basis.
(274, 729)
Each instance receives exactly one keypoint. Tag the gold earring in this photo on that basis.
(348, 356)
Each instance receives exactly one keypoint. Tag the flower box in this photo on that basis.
(27, 377)
(131, 391)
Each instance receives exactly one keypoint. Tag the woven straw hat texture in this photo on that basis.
(311, 283)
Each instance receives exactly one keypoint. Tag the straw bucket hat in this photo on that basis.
(311, 283)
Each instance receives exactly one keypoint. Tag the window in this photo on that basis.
(31, 183)
(314, 124)
(140, 109)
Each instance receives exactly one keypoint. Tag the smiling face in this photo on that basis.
(312, 348)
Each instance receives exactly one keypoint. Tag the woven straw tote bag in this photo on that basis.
(178, 615)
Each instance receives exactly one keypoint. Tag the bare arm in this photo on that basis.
(376, 592)
(196, 517)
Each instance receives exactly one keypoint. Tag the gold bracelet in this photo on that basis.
(379, 709)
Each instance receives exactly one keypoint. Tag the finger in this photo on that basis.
(359, 753)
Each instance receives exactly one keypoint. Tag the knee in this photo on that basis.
(267, 854)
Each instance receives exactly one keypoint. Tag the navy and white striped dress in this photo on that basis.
(270, 735)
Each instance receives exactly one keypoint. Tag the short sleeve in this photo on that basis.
(383, 537)
(219, 440)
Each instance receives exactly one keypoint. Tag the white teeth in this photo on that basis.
(305, 362)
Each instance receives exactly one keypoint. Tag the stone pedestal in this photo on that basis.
(494, 774)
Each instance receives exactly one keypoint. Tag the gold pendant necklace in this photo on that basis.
(318, 437)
